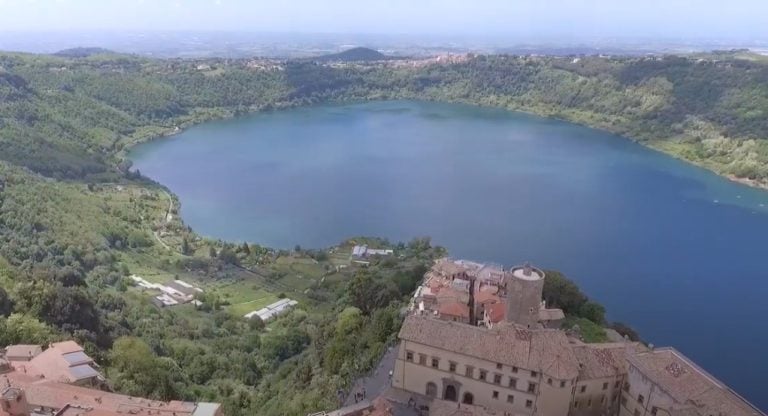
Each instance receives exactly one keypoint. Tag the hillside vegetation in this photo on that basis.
(76, 221)
(71, 118)
(353, 55)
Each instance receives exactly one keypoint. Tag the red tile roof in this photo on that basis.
(687, 383)
(74, 400)
(496, 312)
(486, 297)
(454, 309)
(63, 361)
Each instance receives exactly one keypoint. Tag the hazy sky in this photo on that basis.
(742, 19)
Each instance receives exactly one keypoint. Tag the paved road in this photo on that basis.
(378, 381)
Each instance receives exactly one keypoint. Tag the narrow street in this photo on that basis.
(378, 381)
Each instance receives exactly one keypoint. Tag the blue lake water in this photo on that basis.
(675, 251)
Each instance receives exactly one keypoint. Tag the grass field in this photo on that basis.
(241, 309)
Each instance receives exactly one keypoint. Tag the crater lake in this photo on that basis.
(673, 250)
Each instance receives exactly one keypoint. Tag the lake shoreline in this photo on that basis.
(183, 126)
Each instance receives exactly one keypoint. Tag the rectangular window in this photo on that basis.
(435, 363)
(513, 383)
(495, 394)
(483, 374)
(583, 389)
(613, 398)
(640, 398)
(409, 356)
(452, 366)
(498, 366)
(562, 384)
(497, 379)
(616, 385)
(589, 403)
(549, 381)
(534, 374)
(514, 369)
(470, 371)
(422, 359)
(576, 404)
(529, 403)
(510, 398)
(654, 410)
(602, 399)
(531, 387)
(605, 386)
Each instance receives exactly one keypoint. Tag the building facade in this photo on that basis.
(663, 382)
(509, 368)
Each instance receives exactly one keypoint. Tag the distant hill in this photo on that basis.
(354, 55)
(82, 52)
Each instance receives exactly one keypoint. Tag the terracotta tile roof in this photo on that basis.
(688, 384)
(22, 351)
(74, 400)
(496, 312)
(484, 296)
(66, 347)
(601, 360)
(448, 294)
(454, 309)
(544, 350)
(447, 267)
(446, 408)
(63, 361)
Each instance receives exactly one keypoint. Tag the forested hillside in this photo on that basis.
(71, 117)
(76, 221)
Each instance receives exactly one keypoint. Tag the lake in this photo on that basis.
(673, 250)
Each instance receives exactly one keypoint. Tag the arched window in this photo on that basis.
(450, 393)
(468, 398)
(431, 389)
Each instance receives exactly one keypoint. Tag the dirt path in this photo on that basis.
(168, 218)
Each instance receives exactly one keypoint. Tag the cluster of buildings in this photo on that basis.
(270, 311)
(365, 251)
(61, 380)
(485, 294)
(479, 340)
(172, 293)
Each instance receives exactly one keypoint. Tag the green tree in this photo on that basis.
(592, 311)
(139, 371)
(6, 304)
(24, 329)
(560, 292)
(349, 321)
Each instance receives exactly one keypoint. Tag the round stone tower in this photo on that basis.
(524, 286)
